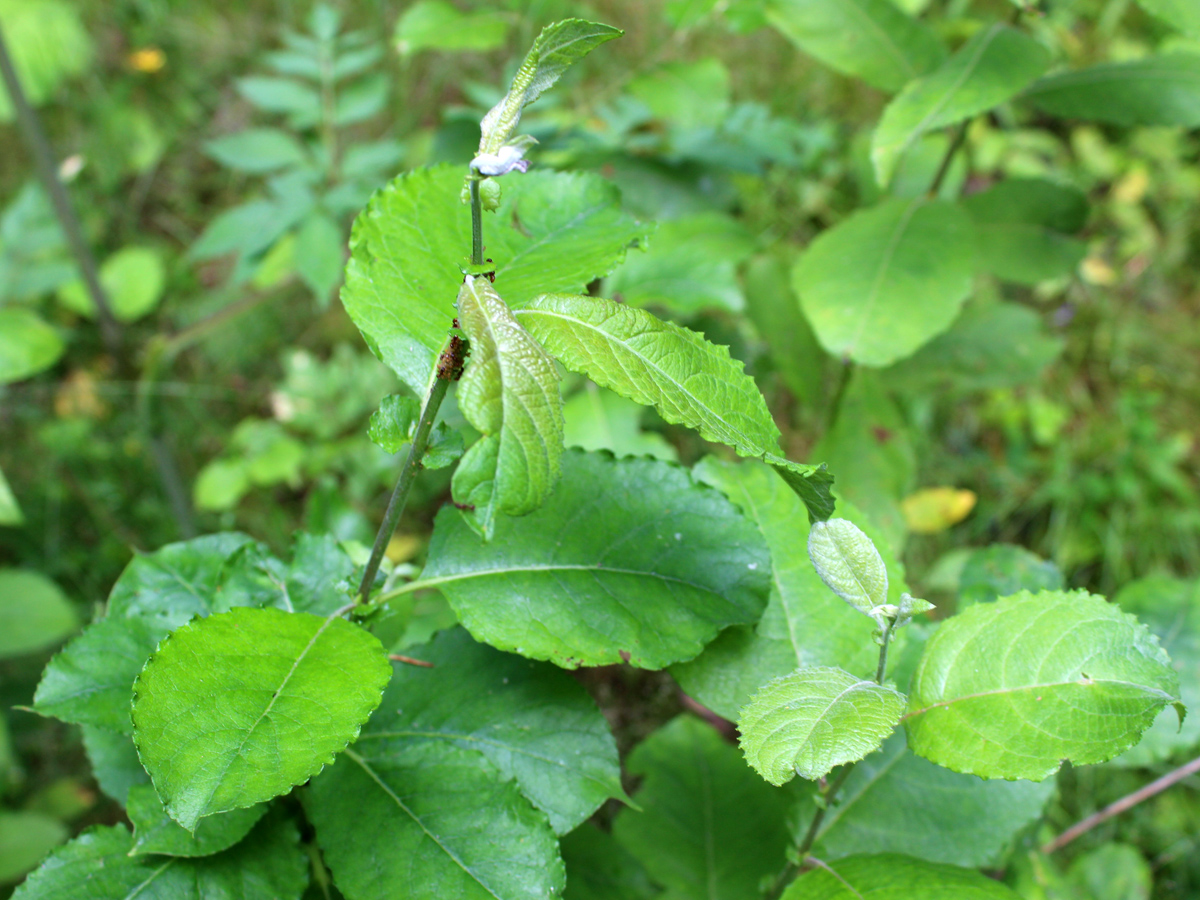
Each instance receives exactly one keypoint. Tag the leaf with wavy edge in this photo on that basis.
(509, 391)
(689, 380)
(1011, 689)
(815, 719)
(239, 707)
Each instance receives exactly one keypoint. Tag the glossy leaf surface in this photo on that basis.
(239, 707)
(573, 584)
(893, 877)
(883, 282)
(815, 719)
(1011, 689)
(155, 832)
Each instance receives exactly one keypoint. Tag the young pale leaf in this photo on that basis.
(531, 720)
(889, 876)
(452, 826)
(1157, 90)
(708, 827)
(237, 708)
(849, 564)
(1170, 608)
(34, 613)
(98, 865)
(572, 584)
(1181, 14)
(90, 682)
(880, 284)
(992, 67)
(556, 49)
(392, 424)
(805, 624)
(869, 39)
(687, 379)
(815, 719)
(1011, 689)
(552, 232)
(509, 391)
(156, 832)
(896, 802)
(27, 344)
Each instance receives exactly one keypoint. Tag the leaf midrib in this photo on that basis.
(1143, 688)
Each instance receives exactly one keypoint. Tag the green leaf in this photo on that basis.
(552, 232)
(268, 865)
(438, 25)
(572, 584)
(221, 484)
(990, 346)
(558, 46)
(813, 720)
(257, 150)
(1170, 608)
(690, 265)
(709, 827)
(114, 760)
(777, 318)
(596, 419)
(10, 509)
(282, 95)
(1003, 569)
(509, 391)
(687, 379)
(156, 832)
(849, 564)
(869, 39)
(991, 68)
(1112, 872)
(27, 344)
(1023, 227)
(1182, 15)
(883, 282)
(133, 279)
(687, 94)
(453, 826)
(598, 868)
(889, 876)
(319, 255)
(393, 423)
(896, 802)
(531, 720)
(1011, 689)
(48, 43)
(318, 580)
(294, 691)
(1157, 90)
(90, 682)
(805, 623)
(25, 838)
(34, 613)
(361, 100)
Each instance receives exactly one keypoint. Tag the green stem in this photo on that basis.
(476, 222)
(960, 136)
(404, 483)
(881, 669)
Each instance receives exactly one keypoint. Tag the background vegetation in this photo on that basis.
(216, 155)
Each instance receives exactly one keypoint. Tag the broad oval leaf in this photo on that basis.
(1011, 689)
(453, 827)
(871, 39)
(689, 380)
(239, 707)
(552, 232)
(882, 283)
(815, 719)
(896, 802)
(1158, 90)
(572, 583)
(995, 65)
(531, 720)
(509, 391)
(1181, 14)
(27, 344)
(890, 876)
(708, 826)
(557, 48)
(156, 832)
(34, 613)
(805, 624)
(849, 563)
(268, 865)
